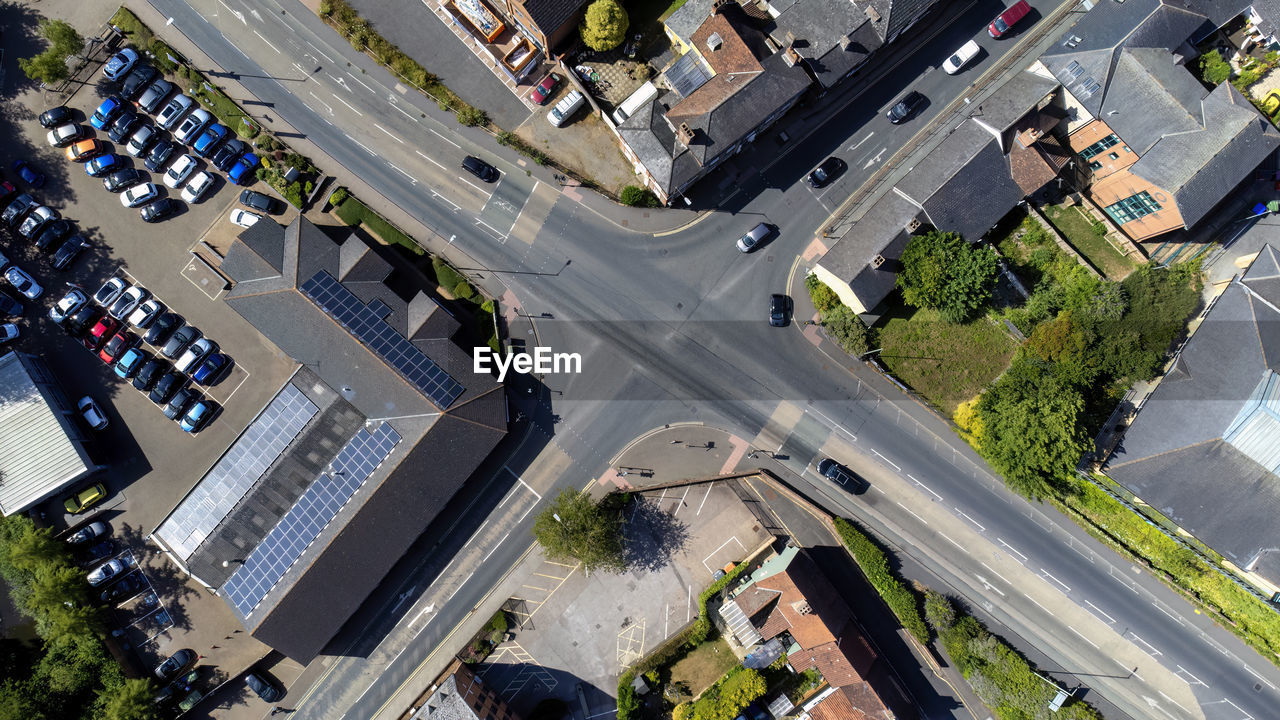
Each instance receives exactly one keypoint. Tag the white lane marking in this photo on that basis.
(477, 187)
(1194, 680)
(1110, 619)
(402, 112)
(412, 179)
(1153, 651)
(268, 42)
(388, 133)
(926, 487)
(497, 234)
(344, 102)
(1251, 672)
(362, 145)
(975, 522)
(1247, 716)
(1172, 617)
(1175, 702)
(953, 542)
(430, 159)
(993, 572)
(495, 547)
(460, 585)
(438, 196)
(1040, 606)
(325, 104)
(875, 159)
(987, 584)
(366, 87)
(239, 15)
(855, 147)
(1082, 637)
(904, 507)
(522, 482)
(446, 139)
(833, 423)
(1011, 549)
(1050, 576)
(313, 47)
(895, 465)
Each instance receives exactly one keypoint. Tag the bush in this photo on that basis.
(822, 296)
(337, 197)
(293, 194)
(463, 290)
(847, 329)
(1213, 69)
(731, 693)
(637, 196)
(472, 117)
(446, 276)
(605, 25)
(875, 566)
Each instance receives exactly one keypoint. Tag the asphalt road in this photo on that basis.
(672, 328)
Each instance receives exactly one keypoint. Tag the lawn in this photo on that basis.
(704, 665)
(1077, 227)
(947, 363)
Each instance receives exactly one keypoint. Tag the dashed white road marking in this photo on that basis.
(1082, 637)
(953, 542)
(446, 139)
(1049, 576)
(349, 105)
(313, 47)
(325, 104)
(1011, 549)
(904, 507)
(964, 515)
(895, 465)
(430, 159)
(268, 42)
(389, 133)
(1110, 619)
(402, 172)
(993, 572)
(926, 487)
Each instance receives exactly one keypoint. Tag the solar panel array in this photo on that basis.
(370, 329)
(236, 471)
(687, 74)
(313, 511)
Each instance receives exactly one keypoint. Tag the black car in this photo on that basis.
(779, 310)
(829, 170)
(166, 386)
(173, 667)
(265, 689)
(179, 341)
(180, 401)
(17, 209)
(907, 107)
(123, 126)
(124, 588)
(155, 95)
(69, 251)
(81, 320)
(52, 235)
(257, 201)
(121, 179)
(160, 154)
(9, 306)
(104, 549)
(480, 168)
(838, 473)
(160, 209)
(162, 328)
(137, 81)
(227, 155)
(53, 117)
(150, 373)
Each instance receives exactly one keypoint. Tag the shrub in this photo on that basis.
(472, 117)
(1213, 69)
(487, 306)
(463, 290)
(338, 196)
(605, 25)
(847, 329)
(293, 193)
(823, 297)
(446, 276)
(875, 566)
(637, 196)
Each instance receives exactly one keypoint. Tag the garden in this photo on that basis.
(1089, 237)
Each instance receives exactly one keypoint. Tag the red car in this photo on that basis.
(1008, 19)
(116, 346)
(101, 332)
(545, 89)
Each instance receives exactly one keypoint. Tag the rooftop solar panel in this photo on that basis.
(687, 74)
(312, 512)
(244, 463)
(363, 322)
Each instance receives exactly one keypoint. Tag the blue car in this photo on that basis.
(244, 171)
(196, 416)
(130, 362)
(210, 138)
(106, 112)
(212, 369)
(104, 164)
(29, 175)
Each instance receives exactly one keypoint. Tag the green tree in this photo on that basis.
(822, 296)
(131, 701)
(637, 196)
(847, 329)
(50, 66)
(1067, 346)
(605, 25)
(575, 528)
(31, 548)
(52, 586)
(943, 272)
(1213, 69)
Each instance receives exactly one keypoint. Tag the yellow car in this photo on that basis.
(84, 150)
(85, 499)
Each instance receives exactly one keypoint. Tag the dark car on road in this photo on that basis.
(124, 588)
(265, 689)
(779, 310)
(9, 306)
(829, 170)
(104, 549)
(160, 154)
(55, 116)
(52, 235)
(154, 96)
(178, 342)
(846, 478)
(162, 328)
(180, 401)
(907, 107)
(480, 168)
(123, 126)
(173, 667)
(69, 251)
(212, 369)
(80, 320)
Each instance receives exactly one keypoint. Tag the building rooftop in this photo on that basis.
(551, 14)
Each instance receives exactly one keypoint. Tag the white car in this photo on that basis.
(179, 171)
(146, 314)
(194, 355)
(8, 331)
(93, 415)
(22, 282)
(174, 110)
(139, 195)
(961, 57)
(198, 186)
(71, 302)
(244, 218)
(192, 126)
(112, 569)
(128, 301)
(109, 291)
(140, 139)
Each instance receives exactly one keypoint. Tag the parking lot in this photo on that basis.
(150, 463)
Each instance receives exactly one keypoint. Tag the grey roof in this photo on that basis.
(898, 15)
(818, 27)
(986, 176)
(1256, 430)
(41, 450)
(1152, 98)
(1173, 455)
(1220, 12)
(551, 14)
(944, 161)
(686, 20)
(1004, 108)
(1201, 166)
(457, 697)
(881, 231)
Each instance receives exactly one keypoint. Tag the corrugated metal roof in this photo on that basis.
(1256, 429)
(37, 458)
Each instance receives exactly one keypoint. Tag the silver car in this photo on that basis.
(191, 127)
(174, 110)
(22, 282)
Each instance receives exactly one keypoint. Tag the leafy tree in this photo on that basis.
(54, 585)
(1067, 346)
(577, 529)
(1213, 69)
(1109, 303)
(847, 329)
(131, 701)
(938, 611)
(605, 25)
(969, 422)
(637, 196)
(822, 296)
(1032, 430)
(943, 272)
(50, 66)
(31, 548)
(22, 701)
(472, 117)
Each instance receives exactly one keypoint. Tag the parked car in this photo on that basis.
(160, 209)
(140, 194)
(9, 306)
(85, 499)
(137, 81)
(545, 88)
(146, 313)
(244, 218)
(29, 174)
(258, 201)
(209, 139)
(243, 172)
(120, 64)
(779, 310)
(64, 135)
(7, 191)
(118, 345)
(107, 111)
(174, 110)
(92, 414)
(92, 531)
(197, 186)
(160, 154)
(124, 589)
(748, 242)
(212, 369)
(69, 251)
(480, 168)
(52, 235)
(35, 220)
(192, 126)
(128, 301)
(197, 416)
(98, 551)
(149, 373)
(568, 105)
(110, 290)
(180, 401)
(154, 95)
(23, 282)
(100, 333)
(162, 328)
(195, 354)
(227, 155)
(131, 362)
(111, 570)
(179, 171)
(103, 164)
(141, 139)
(1007, 19)
(166, 386)
(85, 150)
(8, 331)
(907, 107)
(961, 57)
(179, 340)
(829, 170)
(18, 209)
(67, 305)
(123, 126)
(55, 116)
(264, 688)
(842, 475)
(79, 321)
(121, 179)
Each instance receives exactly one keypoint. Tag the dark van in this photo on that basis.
(1008, 18)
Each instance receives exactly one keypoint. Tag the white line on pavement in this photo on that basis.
(430, 159)
(975, 522)
(895, 465)
(926, 487)
(1100, 612)
(268, 42)
(1154, 652)
(1010, 549)
(313, 47)
(527, 485)
(239, 15)
(1194, 680)
(1175, 702)
(389, 134)
(497, 234)
(402, 112)
(987, 584)
(446, 139)
(1040, 606)
(704, 499)
(412, 179)
(993, 572)
(477, 187)
(325, 104)
(464, 582)
(1082, 637)
(366, 149)
(833, 423)
(904, 507)
(344, 102)
(438, 196)
(1172, 617)
(366, 87)
(1050, 576)
(953, 542)
(1251, 672)
(495, 547)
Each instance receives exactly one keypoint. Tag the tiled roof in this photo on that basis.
(551, 14)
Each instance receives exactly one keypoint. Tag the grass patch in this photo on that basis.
(947, 363)
(1080, 232)
(140, 35)
(353, 212)
(703, 666)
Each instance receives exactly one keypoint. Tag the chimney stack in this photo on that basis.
(684, 133)
(871, 13)
(791, 57)
(878, 260)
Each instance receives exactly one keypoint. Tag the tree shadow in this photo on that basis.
(652, 537)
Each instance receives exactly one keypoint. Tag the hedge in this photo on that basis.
(875, 566)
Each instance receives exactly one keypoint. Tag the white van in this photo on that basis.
(566, 107)
(637, 100)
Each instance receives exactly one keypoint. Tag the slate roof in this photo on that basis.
(898, 15)
(1173, 455)
(818, 26)
(987, 175)
(688, 18)
(551, 14)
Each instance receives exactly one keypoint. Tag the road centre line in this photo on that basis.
(477, 187)
(1048, 575)
(460, 585)
(1195, 680)
(1100, 612)
(431, 160)
(313, 47)
(1154, 652)
(268, 42)
(1011, 549)
(438, 196)
(953, 542)
(325, 104)
(388, 132)
(412, 179)
(1040, 606)
(349, 105)
(495, 547)
(366, 149)
(1082, 637)
(835, 425)
(895, 465)
(366, 87)
(904, 507)
(993, 572)
(975, 522)
(926, 487)
(402, 112)
(445, 139)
